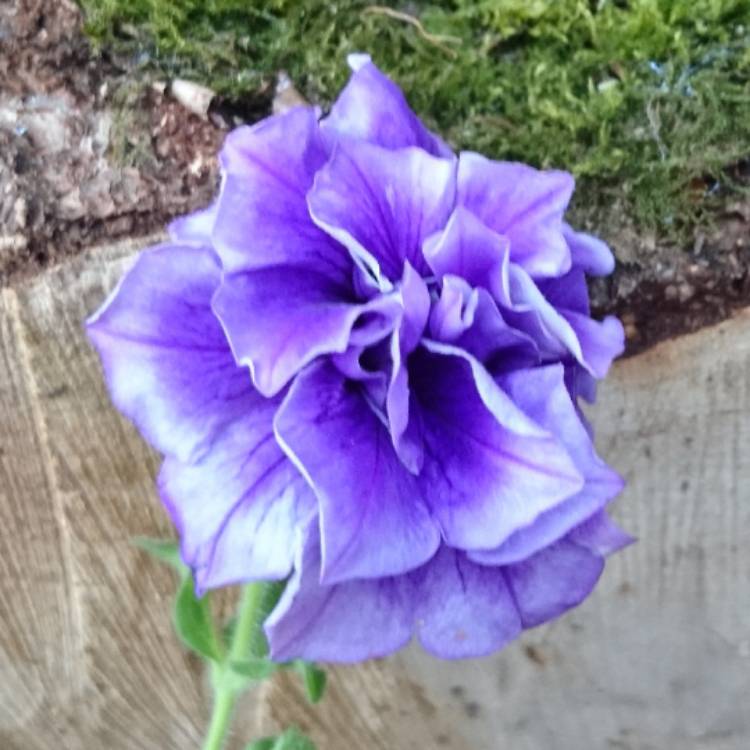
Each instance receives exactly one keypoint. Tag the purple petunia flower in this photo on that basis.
(362, 364)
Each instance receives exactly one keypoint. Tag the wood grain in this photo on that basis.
(40, 642)
(97, 657)
(376, 706)
(658, 658)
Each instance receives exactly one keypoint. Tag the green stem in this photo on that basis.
(221, 717)
(250, 612)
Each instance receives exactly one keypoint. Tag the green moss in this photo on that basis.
(646, 101)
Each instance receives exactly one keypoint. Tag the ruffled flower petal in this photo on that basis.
(262, 218)
(522, 203)
(406, 433)
(553, 311)
(463, 609)
(495, 343)
(373, 520)
(238, 508)
(458, 609)
(345, 622)
(453, 313)
(279, 319)
(195, 228)
(553, 581)
(543, 396)
(601, 342)
(489, 469)
(469, 249)
(580, 384)
(600, 535)
(568, 292)
(589, 253)
(372, 108)
(470, 319)
(168, 364)
(382, 204)
(562, 333)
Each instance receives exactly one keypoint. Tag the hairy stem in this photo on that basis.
(249, 619)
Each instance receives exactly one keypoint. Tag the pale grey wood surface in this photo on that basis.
(658, 658)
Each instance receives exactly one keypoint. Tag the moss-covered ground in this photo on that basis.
(646, 101)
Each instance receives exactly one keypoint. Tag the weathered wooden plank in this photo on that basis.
(84, 477)
(39, 638)
(372, 706)
(658, 658)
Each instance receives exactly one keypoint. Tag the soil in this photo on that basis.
(89, 152)
(661, 290)
(86, 153)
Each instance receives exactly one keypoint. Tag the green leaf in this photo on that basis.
(314, 679)
(193, 622)
(240, 675)
(267, 743)
(164, 550)
(292, 739)
(272, 591)
(192, 616)
(254, 669)
(229, 629)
